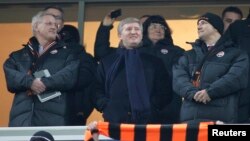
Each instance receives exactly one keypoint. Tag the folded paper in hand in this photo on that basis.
(47, 95)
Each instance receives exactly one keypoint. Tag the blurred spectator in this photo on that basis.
(58, 12)
(70, 34)
(42, 136)
(84, 89)
(239, 31)
(231, 14)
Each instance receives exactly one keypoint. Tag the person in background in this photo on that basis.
(231, 14)
(84, 89)
(58, 12)
(131, 87)
(239, 31)
(212, 75)
(42, 52)
(42, 136)
(157, 41)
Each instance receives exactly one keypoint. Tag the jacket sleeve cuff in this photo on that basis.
(30, 80)
(211, 93)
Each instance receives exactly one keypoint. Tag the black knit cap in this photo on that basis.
(42, 136)
(214, 20)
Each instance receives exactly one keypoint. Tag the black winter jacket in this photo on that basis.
(239, 31)
(116, 106)
(163, 49)
(102, 46)
(26, 109)
(169, 54)
(84, 88)
(224, 75)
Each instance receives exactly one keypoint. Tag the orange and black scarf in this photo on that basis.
(153, 132)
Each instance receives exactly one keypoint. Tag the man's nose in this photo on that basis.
(133, 30)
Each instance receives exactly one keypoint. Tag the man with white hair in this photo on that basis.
(42, 52)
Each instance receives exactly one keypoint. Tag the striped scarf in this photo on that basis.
(153, 132)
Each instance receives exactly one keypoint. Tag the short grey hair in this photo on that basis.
(127, 21)
(38, 18)
(57, 7)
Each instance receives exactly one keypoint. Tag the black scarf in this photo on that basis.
(137, 89)
(32, 47)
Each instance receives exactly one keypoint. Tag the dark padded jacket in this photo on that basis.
(163, 49)
(224, 75)
(26, 109)
(84, 88)
(102, 45)
(169, 54)
(115, 105)
(239, 31)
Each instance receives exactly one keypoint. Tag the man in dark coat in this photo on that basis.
(84, 89)
(231, 14)
(239, 32)
(43, 51)
(132, 87)
(157, 41)
(211, 76)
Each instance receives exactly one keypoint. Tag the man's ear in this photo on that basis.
(35, 27)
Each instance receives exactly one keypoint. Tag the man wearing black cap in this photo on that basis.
(42, 136)
(211, 76)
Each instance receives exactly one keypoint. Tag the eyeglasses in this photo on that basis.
(156, 26)
(50, 24)
(58, 17)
